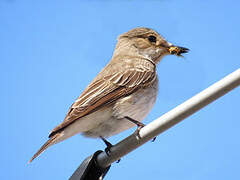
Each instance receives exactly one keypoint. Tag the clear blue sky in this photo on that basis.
(50, 51)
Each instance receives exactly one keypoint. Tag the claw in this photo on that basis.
(108, 148)
(154, 139)
(108, 144)
(138, 123)
(139, 126)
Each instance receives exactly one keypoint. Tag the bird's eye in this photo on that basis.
(152, 39)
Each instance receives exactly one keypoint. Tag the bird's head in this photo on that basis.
(148, 43)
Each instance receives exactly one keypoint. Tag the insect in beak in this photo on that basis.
(177, 50)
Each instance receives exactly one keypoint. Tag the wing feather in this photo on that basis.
(107, 89)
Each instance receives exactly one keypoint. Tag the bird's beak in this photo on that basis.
(177, 50)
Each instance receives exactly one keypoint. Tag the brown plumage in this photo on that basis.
(127, 86)
(107, 89)
(50, 141)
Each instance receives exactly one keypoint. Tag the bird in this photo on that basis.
(122, 94)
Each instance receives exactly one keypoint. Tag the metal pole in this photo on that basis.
(171, 118)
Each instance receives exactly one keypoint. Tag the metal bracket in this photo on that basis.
(90, 170)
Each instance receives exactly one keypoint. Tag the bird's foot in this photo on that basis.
(108, 144)
(139, 126)
(138, 123)
(108, 148)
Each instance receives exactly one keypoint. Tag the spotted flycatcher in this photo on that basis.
(122, 94)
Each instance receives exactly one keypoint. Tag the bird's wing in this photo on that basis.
(109, 88)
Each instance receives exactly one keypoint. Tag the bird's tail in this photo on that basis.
(53, 140)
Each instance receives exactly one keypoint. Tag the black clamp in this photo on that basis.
(90, 170)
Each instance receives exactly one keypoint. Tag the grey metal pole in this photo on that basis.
(171, 118)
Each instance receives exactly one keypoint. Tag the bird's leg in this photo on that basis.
(139, 124)
(109, 145)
